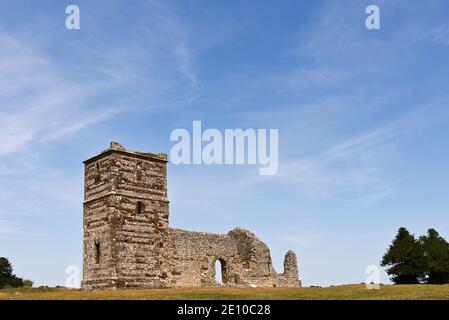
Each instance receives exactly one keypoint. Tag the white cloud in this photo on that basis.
(36, 100)
(43, 99)
(358, 168)
(337, 88)
(47, 94)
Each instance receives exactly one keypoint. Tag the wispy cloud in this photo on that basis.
(358, 168)
(346, 146)
(43, 99)
(36, 100)
(164, 23)
(48, 95)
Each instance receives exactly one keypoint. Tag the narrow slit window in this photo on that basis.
(97, 253)
(139, 208)
(97, 173)
(139, 171)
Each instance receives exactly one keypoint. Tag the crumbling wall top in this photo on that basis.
(117, 147)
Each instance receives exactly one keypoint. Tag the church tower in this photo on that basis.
(125, 213)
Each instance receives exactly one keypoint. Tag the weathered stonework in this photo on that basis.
(128, 242)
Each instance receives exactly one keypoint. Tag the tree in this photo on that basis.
(7, 278)
(27, 283)
(436, 257)
(404, 259)
(15, 282)
(5, 272)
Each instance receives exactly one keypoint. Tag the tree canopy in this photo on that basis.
(7, 278)
(424, 260)
(436, 257)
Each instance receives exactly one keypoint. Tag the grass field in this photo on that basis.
(345, 292)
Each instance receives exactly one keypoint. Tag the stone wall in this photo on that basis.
(125, 211)
(128, 242)
(245, 260)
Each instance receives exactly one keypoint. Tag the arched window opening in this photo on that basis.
(220, 270)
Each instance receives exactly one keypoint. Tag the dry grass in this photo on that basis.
(345, 292)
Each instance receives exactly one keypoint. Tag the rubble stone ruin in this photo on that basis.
(128, 242)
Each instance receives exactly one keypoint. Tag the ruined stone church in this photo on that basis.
(128, 242)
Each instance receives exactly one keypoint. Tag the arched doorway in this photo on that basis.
(220, 271)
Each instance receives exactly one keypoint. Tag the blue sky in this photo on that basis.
(362, 116)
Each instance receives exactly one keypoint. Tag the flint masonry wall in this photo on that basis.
(245, 260)
(128, 242)
(125, 209)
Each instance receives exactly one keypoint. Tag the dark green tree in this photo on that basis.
(404, 259)
(15, 282)
(5, 272)
(7, 278)
(436, 257)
